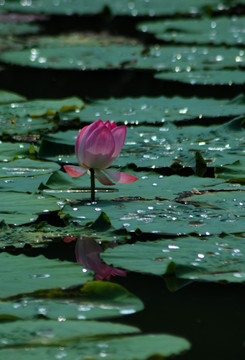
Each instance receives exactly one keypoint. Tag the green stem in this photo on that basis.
(92, 178)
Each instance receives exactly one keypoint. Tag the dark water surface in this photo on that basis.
(210, 315)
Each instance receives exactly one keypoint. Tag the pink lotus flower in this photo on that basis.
(97, 146)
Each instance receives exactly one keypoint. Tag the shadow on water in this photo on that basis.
(46, 83)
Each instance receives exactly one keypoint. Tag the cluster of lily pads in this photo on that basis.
(184, 217)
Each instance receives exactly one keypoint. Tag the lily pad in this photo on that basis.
(31, 274)
(26, 167)
(20, 208)
(117, 7)
(23, 175)
(218, 31)
(206, 258)
(37, 235)
(83, 57)
(61, 185)
(159, 110)
(41, 234)
(37, 115)
(87, 338)
(205, 77)
(9, 97)
(232, 171)
(95, 300)
(161, 58)
(18, 28)
(151, 146)
(177, 60)
(169, 217)
(53, 333)
(10, 151)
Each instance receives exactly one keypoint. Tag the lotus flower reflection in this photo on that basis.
(97, 146)
(87, 254)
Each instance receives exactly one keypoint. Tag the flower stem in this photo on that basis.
(92, 178)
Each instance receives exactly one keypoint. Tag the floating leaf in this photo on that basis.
(9, 97)
(94, 300)
(78, 339)
(61, 185)
(233, 170)
(117, 7)
(205, 77)
(31, 274)
(39, 235)
(218, 31)
(20, 208)
(83, 57)
(37, 115)
(18, 28)
(52, 333)
(10, 151)
(161, 110)
(26, 167)
(207, 258)
(198, 214)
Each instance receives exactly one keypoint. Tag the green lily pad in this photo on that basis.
(37, 235)
(205, 77)
(30, 274)
(26, 167)
(169, 217)
(37, 115)
(95, 300)
(87, 338)
(182, 59)
(75, 57)
(117, 7)
(231, 170)
(63, 186)
(41, 234)
(23, 175)
(187, 59)
(160, 110)
(52, 333)
(18, 28)
(210, 258)
(21, 208)
(9, 97)
(218, 31)
(22, 184)
(10, 151)
(162, 146)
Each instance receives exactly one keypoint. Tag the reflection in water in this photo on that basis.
(87, 254)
